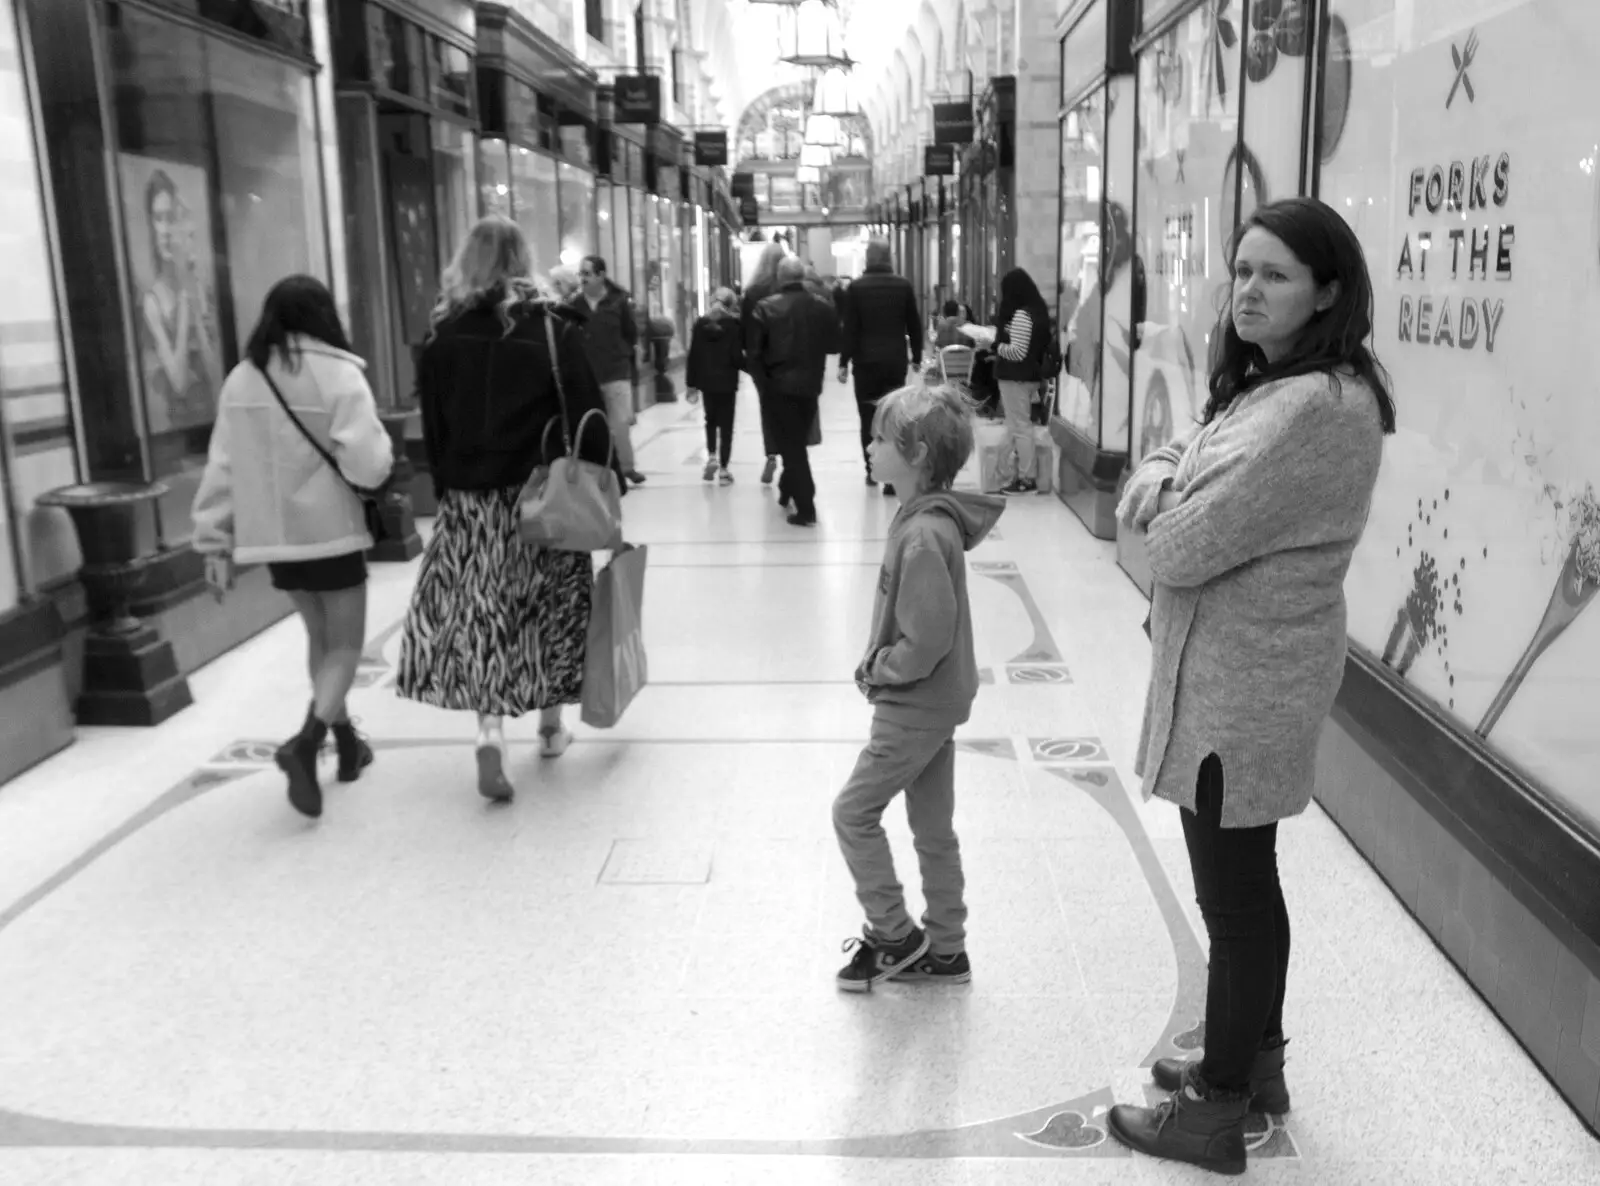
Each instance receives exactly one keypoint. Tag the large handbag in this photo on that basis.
(569, 504)
(371, 508)
(614, 664)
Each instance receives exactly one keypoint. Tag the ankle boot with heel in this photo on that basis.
(1269, 1092)
(297, 758)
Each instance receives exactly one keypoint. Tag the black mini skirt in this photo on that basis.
(325, 575)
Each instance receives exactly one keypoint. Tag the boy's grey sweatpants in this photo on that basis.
(920, 762)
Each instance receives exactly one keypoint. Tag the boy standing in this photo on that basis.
(920, 675)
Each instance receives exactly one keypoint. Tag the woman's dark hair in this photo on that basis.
(160, 183)
(952, 308)
(1334, 339)
(1018, 291)
(296, 305)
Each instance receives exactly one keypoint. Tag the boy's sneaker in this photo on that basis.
(874, 961)
(1020, 486)
(724, 478)
(938, 969)
(710, 472)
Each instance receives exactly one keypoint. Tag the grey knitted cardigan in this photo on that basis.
(1248, 614)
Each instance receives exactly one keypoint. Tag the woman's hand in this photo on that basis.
(1168, 500)
(1142, 501)
(219, 574)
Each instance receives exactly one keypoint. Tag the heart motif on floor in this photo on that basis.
(1067, 1130)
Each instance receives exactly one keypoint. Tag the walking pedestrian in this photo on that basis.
(610, 337)
(881, 328)
(296, 429)
(794, 332)
(495, 627)
(716, 360)
(1250, 525)
(762, 285)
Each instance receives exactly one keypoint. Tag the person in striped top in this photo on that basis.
(1023, 322)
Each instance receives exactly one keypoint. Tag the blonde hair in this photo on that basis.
(494, 260)
(938, 416)
(563, 281)
(767, 265)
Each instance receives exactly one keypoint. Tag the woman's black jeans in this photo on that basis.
(1241, 900)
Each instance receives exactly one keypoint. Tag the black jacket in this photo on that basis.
(880, 320)
(610, 333)
(716, 354)
(488, 396)
(792, 335)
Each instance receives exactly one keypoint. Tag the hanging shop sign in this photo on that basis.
(952, 122)
(636, 99)
(711, 148)
(939, 160)
(743, 185)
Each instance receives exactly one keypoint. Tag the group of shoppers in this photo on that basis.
(1250, 522)
(494, 627)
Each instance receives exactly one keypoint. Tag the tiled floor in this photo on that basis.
(627, 975)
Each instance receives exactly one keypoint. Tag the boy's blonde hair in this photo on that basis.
(938, 416)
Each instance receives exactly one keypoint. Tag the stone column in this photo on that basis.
(1038, 143)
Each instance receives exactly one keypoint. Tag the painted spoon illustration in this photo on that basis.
(1575, 588)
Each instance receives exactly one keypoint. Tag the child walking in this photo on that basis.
(920, 674)
(716, 356)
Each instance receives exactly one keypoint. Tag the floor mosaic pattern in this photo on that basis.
(626, 975)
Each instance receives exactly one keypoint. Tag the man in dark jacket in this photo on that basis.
(881, 322)
(610, 335)
(792, 334)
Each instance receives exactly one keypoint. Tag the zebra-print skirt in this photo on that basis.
(494, 626)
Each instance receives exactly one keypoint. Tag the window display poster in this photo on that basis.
(1189, 159)
(1095, 397)
(1464, 156)
(1082, 176)
(167, 220)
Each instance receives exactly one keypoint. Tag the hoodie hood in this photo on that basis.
(974, 514)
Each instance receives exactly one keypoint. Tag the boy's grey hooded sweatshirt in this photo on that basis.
(920, 669)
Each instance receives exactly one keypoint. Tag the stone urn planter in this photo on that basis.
(130, 673)
(399, 519)
(661, 333)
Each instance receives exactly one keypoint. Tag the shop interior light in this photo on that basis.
(816, 156)
(811, 34)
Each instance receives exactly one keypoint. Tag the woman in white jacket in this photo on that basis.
(269, 497)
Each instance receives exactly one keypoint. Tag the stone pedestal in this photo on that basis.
(130, 677)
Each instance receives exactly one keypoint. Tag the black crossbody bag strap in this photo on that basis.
(312, 440)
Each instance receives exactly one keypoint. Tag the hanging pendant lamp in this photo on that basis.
(823, 130)
(812, 35)
(816, 156)
(836, 94)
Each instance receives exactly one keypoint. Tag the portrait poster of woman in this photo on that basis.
(167, 221)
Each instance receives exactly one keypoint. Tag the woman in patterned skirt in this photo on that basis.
(496, 627)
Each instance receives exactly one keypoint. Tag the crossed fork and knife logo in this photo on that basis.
(1463, 59)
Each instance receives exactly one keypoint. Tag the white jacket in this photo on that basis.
(267, 495)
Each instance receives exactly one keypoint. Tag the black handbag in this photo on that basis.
(371, 508)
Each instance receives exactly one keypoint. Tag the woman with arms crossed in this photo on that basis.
(1250, 526)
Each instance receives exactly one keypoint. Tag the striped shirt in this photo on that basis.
(1021, 334)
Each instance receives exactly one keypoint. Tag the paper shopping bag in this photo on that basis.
(994, 445)
(614, 667)
(1046, 454)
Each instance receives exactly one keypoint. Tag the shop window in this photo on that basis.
(450, 76)
(577, 214)
(455, 194)
(1190, 160)
(221, 198)
(533, 183)
(1463, 156)
(638, 221)
(494, 177)
(594, 15)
